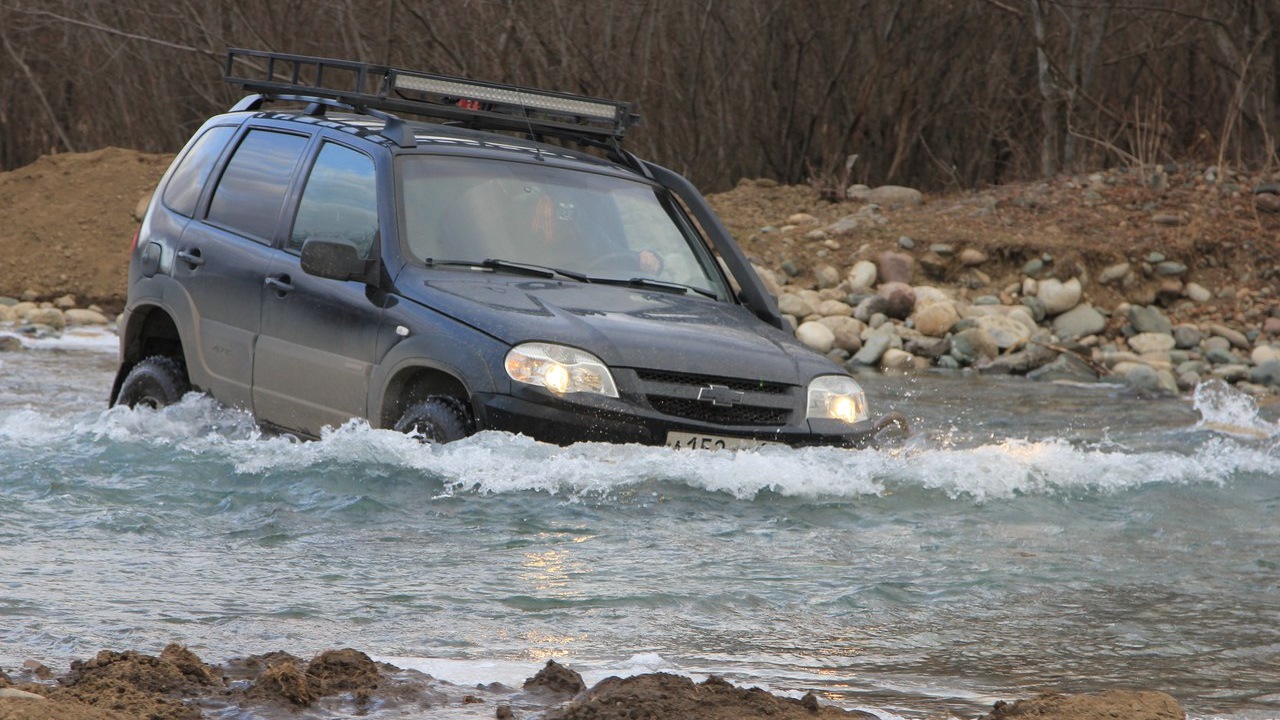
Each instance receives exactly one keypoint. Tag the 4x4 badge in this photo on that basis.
(720, 395)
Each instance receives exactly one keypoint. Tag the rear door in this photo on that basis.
(222, 261)
(318, 336)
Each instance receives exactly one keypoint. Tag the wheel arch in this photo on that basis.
(149, 330)
(413, 383)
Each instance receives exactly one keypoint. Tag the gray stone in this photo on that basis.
(1149, 319)
(1080, 321)
(1186, 336)
(1188, 381)
(1145, 343)
(1066, 368)
(906, 243)
(1169, 268)
(1033, 267)
(1218, 356)
(875, 346)
(1235, 337)
(790, 268)
(929, 347)
(1004, 330)
(1035, 355)
(1267, 374)
(1232, 373)
(970, 346)
(826, 276)
(1142, 378)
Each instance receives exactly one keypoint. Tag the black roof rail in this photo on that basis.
(471, 103)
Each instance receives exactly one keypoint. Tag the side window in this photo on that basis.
(252, 189)
(188, 179)
(340, 200)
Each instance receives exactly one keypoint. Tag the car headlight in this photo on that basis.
(836, 397)
(560, 369)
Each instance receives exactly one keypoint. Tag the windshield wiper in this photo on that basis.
(509, 266)
(651, 284)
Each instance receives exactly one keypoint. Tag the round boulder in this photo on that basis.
(1059, 297)
(817, 336)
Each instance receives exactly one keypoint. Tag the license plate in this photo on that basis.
(695, 441)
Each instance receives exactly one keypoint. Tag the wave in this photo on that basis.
(223, 442)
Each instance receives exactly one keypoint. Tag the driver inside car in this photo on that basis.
(556, 227)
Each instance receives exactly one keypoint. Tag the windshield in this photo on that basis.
(606, 228)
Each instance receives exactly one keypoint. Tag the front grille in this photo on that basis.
(677, 395)
(692, 380)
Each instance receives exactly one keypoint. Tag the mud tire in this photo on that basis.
(154, 382)
(436, 420)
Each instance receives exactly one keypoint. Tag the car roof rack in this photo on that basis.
(471, 103)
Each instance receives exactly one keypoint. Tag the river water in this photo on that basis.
(1028, 537)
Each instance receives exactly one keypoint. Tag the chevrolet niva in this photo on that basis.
(312, 257)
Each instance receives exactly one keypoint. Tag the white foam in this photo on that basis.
(1227, 410)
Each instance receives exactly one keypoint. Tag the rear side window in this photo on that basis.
(252, 189)
(193, 170)
(340, 200)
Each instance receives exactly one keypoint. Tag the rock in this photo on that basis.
(1169, 268)
(1066, 368)
(895, 359)
(828, 308)
(794, 305)
(875, 345)
(10, 343)
(76, 316)
(140, 209)
(1186, 336)
(895, 267)
(1035, 355)
(1146, 379)
(770, 280)
(972, 257)
(847, 332)
(1235, 337)
(1264, 354)
(894, 197)
(556, 678)
(50, 317)
(1144, 343)
(65, 302)
(1004, 331)
(870, 306)
(1169, 291)
(1149, 319)
(936, 319)
(862, 276)
(900, 299)
(928, 347)
(1059, 297)
(16, 694)
(1266, 374)
(1231, 372)
(1271, 326)
(1113, 273)
(1197, 292)
(934, 265)
(6, 314)
(1219, 356)
(802, 218)
(826, 276)
(1127, 704)
(971, 345)
(817, 336)
(1080, 321)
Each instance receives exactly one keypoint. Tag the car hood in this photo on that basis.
(624, 327)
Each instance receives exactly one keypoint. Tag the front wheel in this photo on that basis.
(154, 382)
(437, 419)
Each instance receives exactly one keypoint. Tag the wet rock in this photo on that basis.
(1067, 367)
(1127, 704)
(556, 678)
(971, 345)
(1059, 297)
(1146, 379)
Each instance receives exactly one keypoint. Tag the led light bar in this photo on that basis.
(579, 106)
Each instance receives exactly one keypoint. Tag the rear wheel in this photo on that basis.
(154, 382)
(437, 419)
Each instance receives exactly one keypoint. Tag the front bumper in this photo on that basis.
(547, 418)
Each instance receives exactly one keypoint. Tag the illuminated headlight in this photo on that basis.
(836, 397)
(560, 369)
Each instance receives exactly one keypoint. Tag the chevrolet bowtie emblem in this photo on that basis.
(720, 395)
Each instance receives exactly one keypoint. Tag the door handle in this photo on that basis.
(279, 283)
(191, 257)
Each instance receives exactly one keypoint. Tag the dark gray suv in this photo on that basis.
(313, 257)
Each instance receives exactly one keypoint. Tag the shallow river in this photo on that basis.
(1030, 536)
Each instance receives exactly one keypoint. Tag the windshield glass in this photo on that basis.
(469, 209)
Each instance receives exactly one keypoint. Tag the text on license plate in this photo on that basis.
(694, 441)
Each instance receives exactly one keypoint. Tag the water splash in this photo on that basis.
(1226, 410)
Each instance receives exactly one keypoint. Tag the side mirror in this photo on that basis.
(333, 259)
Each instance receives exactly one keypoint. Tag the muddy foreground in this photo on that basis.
(178, 685)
